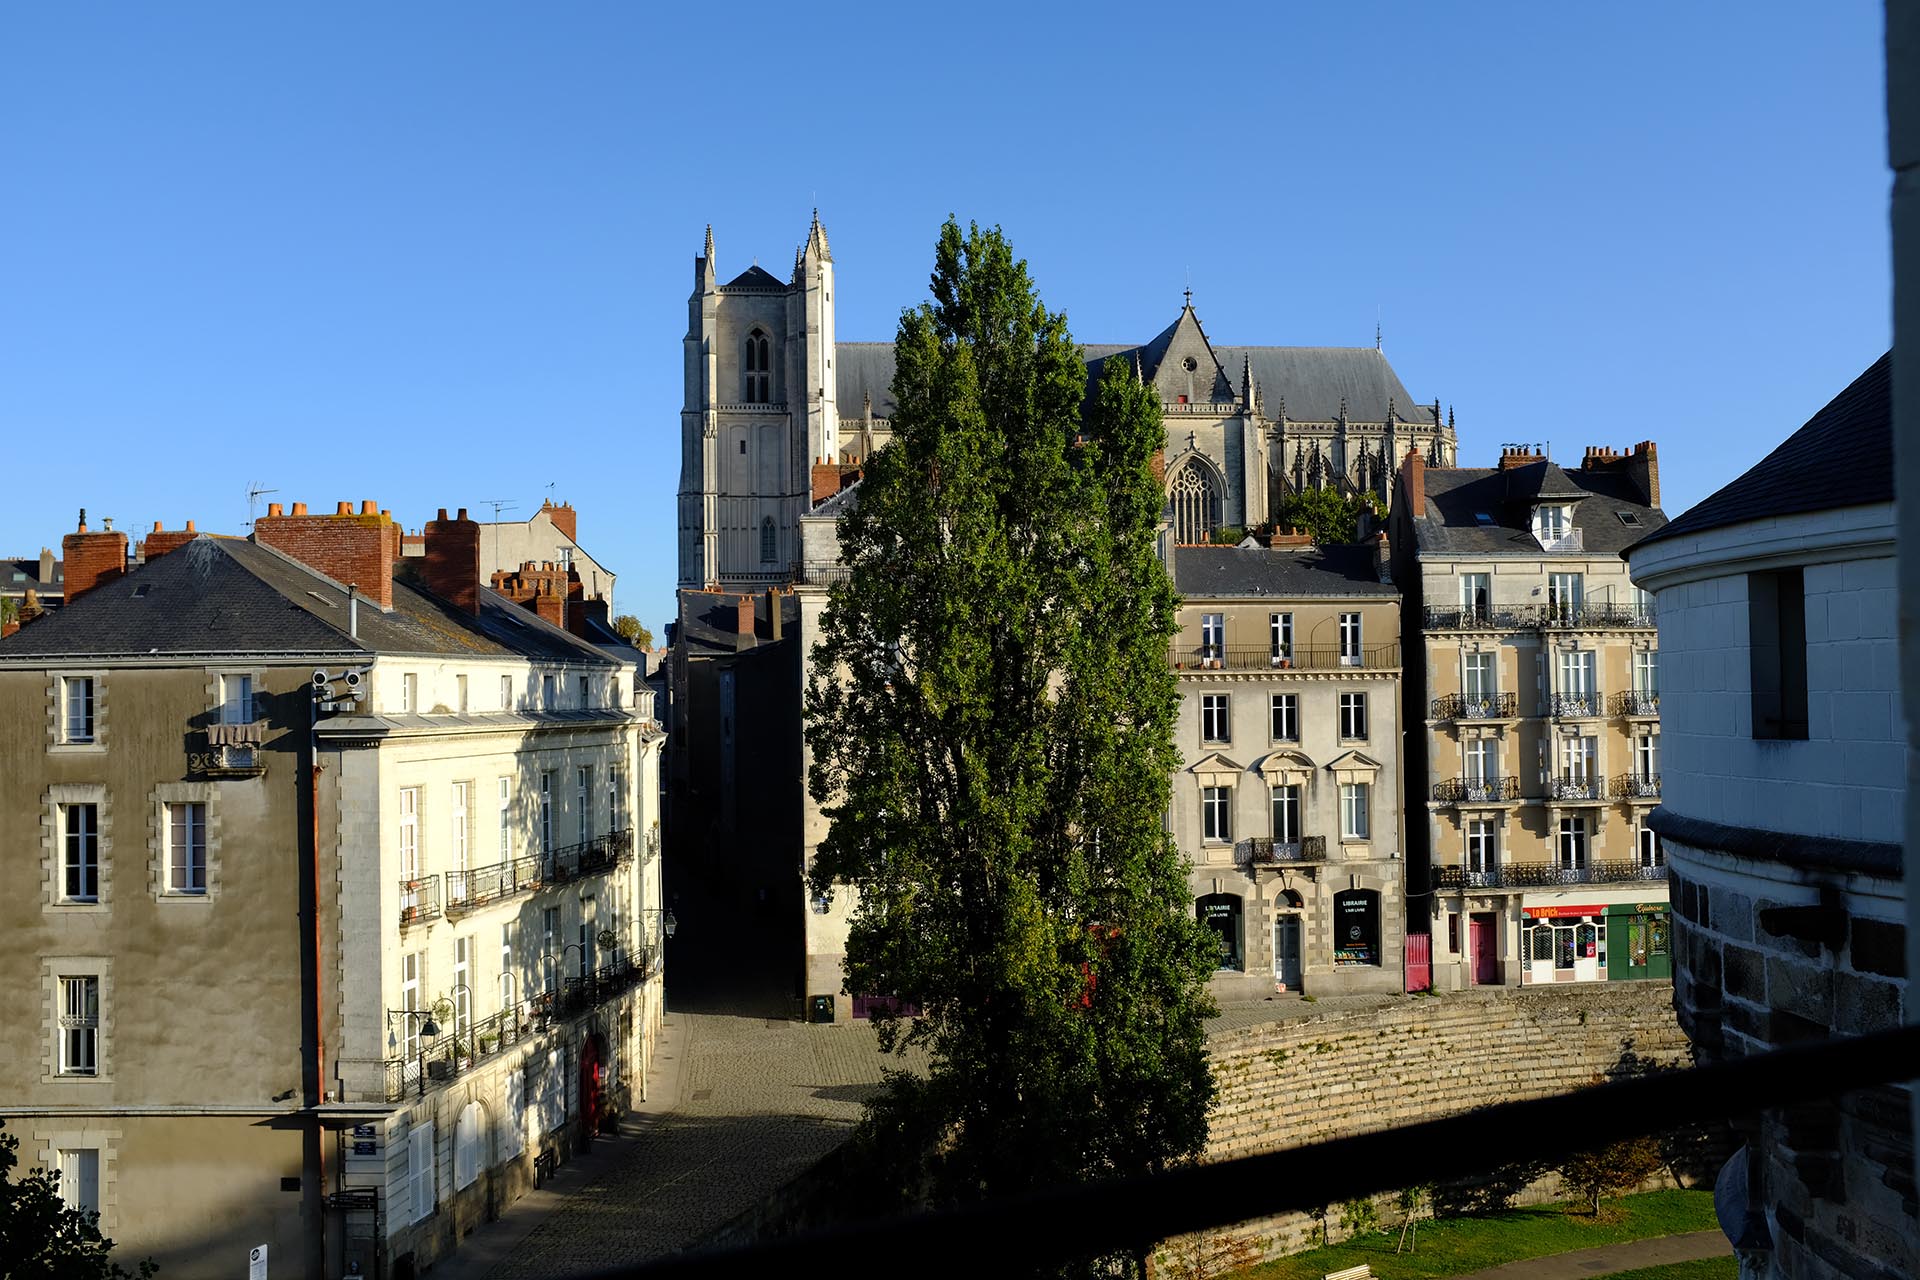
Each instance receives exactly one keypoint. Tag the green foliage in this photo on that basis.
(41, 1237)
(1616, 1167)
(992, 735)
(1359, 1217)
(1325, 514)
(632, 632)
(1230, 535)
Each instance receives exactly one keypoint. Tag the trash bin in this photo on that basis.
(820, 1009)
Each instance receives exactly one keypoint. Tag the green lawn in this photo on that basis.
(1456, 1246)
(1727, 1268)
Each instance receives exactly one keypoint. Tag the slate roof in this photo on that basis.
(19, 576)
(1234, 572)
(226, 595)
(1458, 496)
(1842, 457)
(755, 277)
(1312, 380)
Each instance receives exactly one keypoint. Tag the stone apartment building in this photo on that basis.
(1287, 801)
(400, 827)
(776, 417)
(1783, 816)
(1533, 719)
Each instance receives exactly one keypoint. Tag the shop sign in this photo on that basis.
(1554, 913)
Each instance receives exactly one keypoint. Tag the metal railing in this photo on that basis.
(1472, 619)
(1634, 702)
(1576, 786)
(589, 857)
(419, 900)
(1265, 851)
(1575, 706)
(1571, 540)
(1539, 617)
(469, 890)
(1546, 875)
(1558, 616)
(1636, 786)
(1260, 657)
(1476, 790)
(1458, 706)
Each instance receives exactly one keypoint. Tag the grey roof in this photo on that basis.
(227, 595)
(1842, 457)
(1458, 496)
(755, 277)
(20, 574)
(1235, 572)
(1313, 381)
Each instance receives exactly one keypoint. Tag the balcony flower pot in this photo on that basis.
(440, 1069)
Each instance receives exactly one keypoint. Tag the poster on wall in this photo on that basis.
(1356, 927)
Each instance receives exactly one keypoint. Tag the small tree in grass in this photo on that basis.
(1410, 1201)
(1616, 1167)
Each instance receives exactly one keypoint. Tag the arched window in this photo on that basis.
(468, 1133)
(1196, 505)
(769, 541)
(759, 378)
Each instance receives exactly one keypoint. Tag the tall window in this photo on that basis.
(1476, 595)
(1196, 505)
(582, 805)
(187, 847)
(460, 693)
(420, 1168)
(1564, 593)
(507, 978)
(462, 791)
(1349, 639)
(550, 939)
(409, 692)
(1579, 759)
(769, 541)
(1576, 673)
(410, 1000)
(1483, 764)
(1550, 524)
(546, 812)
(1478, 679)
(1213, 635)
(549, 695)
(1215, 806)
(1280, 627)
(1646, 673)
(1353, 810)
(757, 359)
(76, 699)
(614, 778)
(584, 688)
(1646, 755)
(1285, 708)
(1353, 715)
(1482, 852)
(236, 699)
(80, 856)
(1777, 658)
(462, 989)
(506, 693)
(1573, 844)
(1286, 814)
(80, 1178)
(1213, 717)
(1651, 854)
(80, 1026)
(409, 833)
(506, 818)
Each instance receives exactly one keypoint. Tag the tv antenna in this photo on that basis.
(254, 494)
(498, 505)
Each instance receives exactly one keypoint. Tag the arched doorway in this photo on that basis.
(1288, 941)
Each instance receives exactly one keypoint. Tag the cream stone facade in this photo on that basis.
(456, 823)
(1287, 803)
(1533, 715)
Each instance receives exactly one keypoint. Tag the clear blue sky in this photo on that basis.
(435, 253)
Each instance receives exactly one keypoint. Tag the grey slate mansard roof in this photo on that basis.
(1458, 496)
(1312, 380)
(1234, 572)
(1842, 457)
(217, 596)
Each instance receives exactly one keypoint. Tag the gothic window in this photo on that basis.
(769, 541)
(759, 381)
(1196, 505)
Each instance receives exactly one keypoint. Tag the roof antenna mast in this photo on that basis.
(498, 505)
(254, 494)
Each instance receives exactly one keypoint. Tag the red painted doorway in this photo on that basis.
(1483, 944)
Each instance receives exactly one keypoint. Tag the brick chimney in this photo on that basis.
(162, 540)
(92, 558)
(1518, 457)
(552, 606)
(1291, 538)
(46, 567)
(1413, 483)
(564, 518)
(451, 568)
(585, 612)
(1382, 556)
(1643, 464)
(351, 547)
(826, 481)
(743, 617)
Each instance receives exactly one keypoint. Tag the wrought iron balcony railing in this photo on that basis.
(469, 890)
(419, 900)
(1575, 706)
(1560, 616)
(1576, 786)
(1460, 706)
(1476, 790)
(1635, 702)
(1469, 619)
(1266, 851)
(1636, 786)
(1260, 657)
(1545, 875)
(589, 857)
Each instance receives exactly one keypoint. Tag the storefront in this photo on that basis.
(1642, 934)
(1563, 943)
(1356, 928)
(1221, 912)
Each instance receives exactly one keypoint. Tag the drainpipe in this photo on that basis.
(353, 611)
(317, 1093)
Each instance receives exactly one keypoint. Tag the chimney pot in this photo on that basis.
(343, 509)
(190, 528)
(368, 507)
(442, 515)
(299, 508)
(463, 514)
(156, 526)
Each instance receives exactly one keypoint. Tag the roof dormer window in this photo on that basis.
(1553, 526)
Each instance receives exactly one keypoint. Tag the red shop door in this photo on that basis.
(1482, 941)
(1419, 962)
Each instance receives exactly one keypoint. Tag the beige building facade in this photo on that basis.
(332, 932)
(1533, 716)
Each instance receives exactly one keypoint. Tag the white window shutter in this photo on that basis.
(420, 1168)
(512, 1135)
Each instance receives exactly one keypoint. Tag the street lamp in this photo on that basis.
(428, 1028)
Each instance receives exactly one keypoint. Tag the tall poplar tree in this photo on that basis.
(991, 723)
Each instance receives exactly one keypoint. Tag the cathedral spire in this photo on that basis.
(1248, 394)
(703, 268)
(709, 242)
(817, 241)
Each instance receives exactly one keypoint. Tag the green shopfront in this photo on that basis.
(1640, 936)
